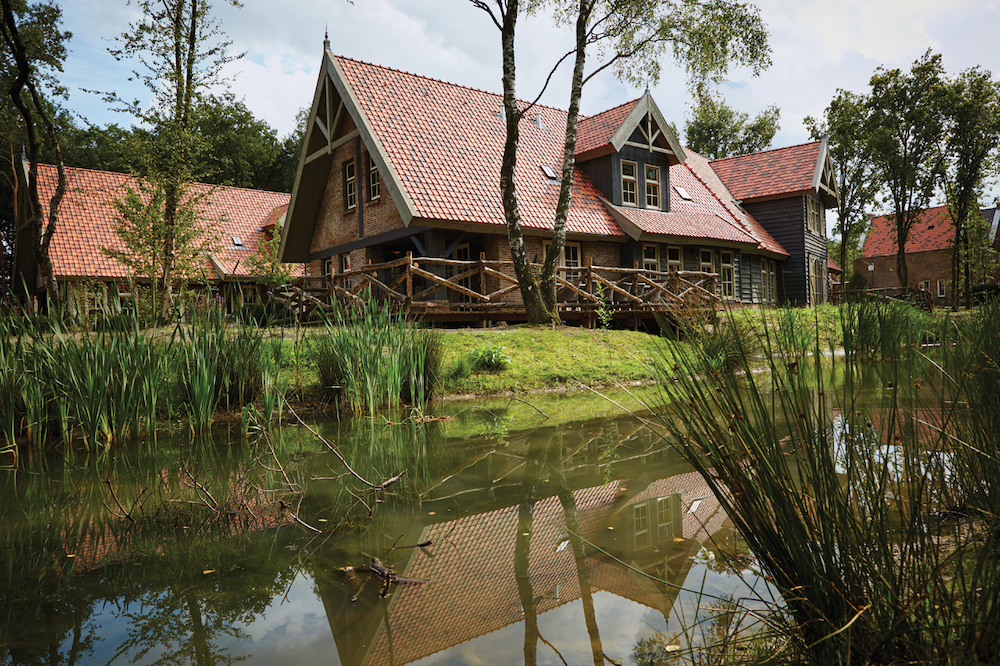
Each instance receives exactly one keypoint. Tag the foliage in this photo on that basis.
(904, 132)
(266, 262)
(716, 130)
(244, 150)
(140, 226)
(489, 359)
(27, 70)
(973, 110)
(370, 358)
(179, 53)
(844, 123)
(867, 491)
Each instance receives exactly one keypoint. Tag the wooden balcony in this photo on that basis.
(475, 291)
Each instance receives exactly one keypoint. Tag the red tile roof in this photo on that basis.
(932, 231)
(593, 132)
(446, 143)
(87, 211)
(771, 172)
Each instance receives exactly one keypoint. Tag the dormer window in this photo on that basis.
(652, 187)
(629, 186)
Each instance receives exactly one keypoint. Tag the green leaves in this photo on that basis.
(716, 130)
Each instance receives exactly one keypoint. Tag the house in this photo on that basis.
(238, 218)
(929, 252)
(395, 163)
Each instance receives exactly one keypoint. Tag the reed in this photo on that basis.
(870, 502)
(370, 358)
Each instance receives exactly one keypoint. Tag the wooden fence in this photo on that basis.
(453, 290)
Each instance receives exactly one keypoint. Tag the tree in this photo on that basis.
(844, 123)
(716, 130)
(180, 52)
(973, 116)
(266, 262)
(904, 136)
(632, 36)
(35, 47)
(242, 150)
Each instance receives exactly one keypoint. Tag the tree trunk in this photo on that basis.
(534, 306)
(548, 277)
(902, 231)
(169, 223)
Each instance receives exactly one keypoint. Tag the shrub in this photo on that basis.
(489, 359)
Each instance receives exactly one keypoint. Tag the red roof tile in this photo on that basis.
(932, 231)
(771, 172)
(595, 131)
(87, 210)
(446, 143)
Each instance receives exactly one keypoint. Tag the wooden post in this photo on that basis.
(409, 279)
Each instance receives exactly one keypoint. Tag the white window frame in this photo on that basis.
(653, 198)
(374, 181)
(630, 184)
(675, 264)
(767, 280)
(817, 280)
(351, 185)
(815, 215)
(925, 285)
(571, 257)
(942, 289)
(651, 263)
(702, 264)
(640, 524)
(727, 276)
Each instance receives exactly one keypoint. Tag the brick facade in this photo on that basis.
(922, 266)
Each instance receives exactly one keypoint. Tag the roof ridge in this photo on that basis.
(132, 176)
(442, 81)
(761, 152)
(924, 211)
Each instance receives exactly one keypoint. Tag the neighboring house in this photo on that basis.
(239, 218)
(929, 252)
(396, 163)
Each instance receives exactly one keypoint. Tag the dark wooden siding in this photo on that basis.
(601, 173)
(750, 278)
(785, 219)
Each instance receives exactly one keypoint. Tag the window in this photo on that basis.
(629, 170)
(462, 253)
(640, 516)
(942, 290)
(682, 193)
(570, 259)
(707, 264)
(767, 281)
(652, 187)
(668, 511)
(650, 257)
(728, 286)
(673, 259)
(374, 181)
(328, 267)
(350, 186)
(925, 285)
(815, 215)
(345, 267)
(817, 281)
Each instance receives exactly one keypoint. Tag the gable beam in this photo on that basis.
(332, 146)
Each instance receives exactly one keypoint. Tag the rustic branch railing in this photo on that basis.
(430, 284)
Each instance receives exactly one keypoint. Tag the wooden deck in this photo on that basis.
(447, 290)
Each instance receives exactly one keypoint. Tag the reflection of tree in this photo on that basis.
(545, 460)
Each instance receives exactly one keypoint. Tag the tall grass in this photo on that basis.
(370, 358)
(871, 503)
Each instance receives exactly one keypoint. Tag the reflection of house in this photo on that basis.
(239, 218)
(472, 567)
(395, 163)
(929, 252)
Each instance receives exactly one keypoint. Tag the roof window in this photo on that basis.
(537, 121)
(682, 193)
(237, 241)
(548, 171)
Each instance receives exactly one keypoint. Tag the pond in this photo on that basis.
(560, 531)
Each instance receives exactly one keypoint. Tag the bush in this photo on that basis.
(489, 359)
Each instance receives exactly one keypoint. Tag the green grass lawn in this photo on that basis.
(545, 358)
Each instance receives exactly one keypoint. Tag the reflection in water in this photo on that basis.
(184, 555)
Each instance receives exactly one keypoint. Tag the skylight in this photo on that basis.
(549, 172)
(682, 193)
(237, 241)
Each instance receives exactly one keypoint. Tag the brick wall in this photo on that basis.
(931, 266)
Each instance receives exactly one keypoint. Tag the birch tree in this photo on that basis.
(179, 52)
(630, 36)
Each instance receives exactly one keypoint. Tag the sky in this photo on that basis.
(817, 47)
